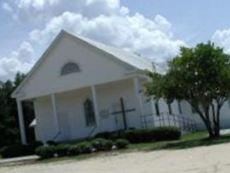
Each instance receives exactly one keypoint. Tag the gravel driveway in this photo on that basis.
(212, 159)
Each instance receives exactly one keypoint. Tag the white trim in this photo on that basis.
(152, 102)
(54, 108)
(82, 40)
(21, 122)
(95, 104)
(152, 106)
(83, 86)
(139, 94)
(100, 47)
(37, 64)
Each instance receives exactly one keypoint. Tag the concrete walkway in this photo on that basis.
(18, 160)
(212, 159)
(225, 132)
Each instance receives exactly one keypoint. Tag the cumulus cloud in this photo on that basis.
(7, 7)
(19, 60)
(106, 21)
(27, 10)
(151, 38)
(222, 39)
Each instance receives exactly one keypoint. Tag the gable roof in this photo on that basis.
(126, 57)
(132, 59)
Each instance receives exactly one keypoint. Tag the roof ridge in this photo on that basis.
(122, 54)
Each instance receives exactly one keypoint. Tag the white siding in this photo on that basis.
(225, 115)
(96, 67)
(109, 99)
(71, 116)
(46, 127)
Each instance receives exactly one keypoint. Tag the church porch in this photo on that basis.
(62, 116)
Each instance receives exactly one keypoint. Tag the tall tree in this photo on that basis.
(9, 132)
(199, 75)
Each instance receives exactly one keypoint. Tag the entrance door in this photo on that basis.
(64, 125)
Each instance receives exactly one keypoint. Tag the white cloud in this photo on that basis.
(222, 39)
(36, 4)
(151, 38)
(43, 10)
(106, 21)
(10, 66)
(19, 60)
(24, 52)
(7, 7)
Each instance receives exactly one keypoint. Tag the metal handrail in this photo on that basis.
(166, 119)
(92, 131)
(56, 136)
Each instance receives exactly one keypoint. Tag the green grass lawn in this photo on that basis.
(187, 141)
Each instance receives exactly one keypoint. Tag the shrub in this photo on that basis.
(102, 144)
(17, 150)
(111, 135)
(155, 134)
(74, 150)
(62, 150)
(97, 143)
(45, 151)
(107, 145)
(167, 133)
(85, 147)
(144, 135)
(121, 143)
(141, 135)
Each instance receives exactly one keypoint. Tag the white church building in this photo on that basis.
(80, 87)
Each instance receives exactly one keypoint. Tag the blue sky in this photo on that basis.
(153, 28)
(193, 21)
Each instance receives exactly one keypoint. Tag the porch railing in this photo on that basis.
(56, 136)
(185, 123)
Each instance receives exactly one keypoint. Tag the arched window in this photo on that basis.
(69, 68)
(170, 108)
(179, 107)
(89, 113)
(157, 109)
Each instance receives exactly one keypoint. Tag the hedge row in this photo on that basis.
(144, 135)
(133, 136)
(95, 145)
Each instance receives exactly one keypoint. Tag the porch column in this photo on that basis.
(152, 106)
(152, 102)
(137, 87)
(54, 108)
(21, 122)
(95, 103)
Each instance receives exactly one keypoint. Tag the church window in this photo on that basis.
(69, 68)
(179, 107)
(157, 109)
(89, 113)
(170, 108)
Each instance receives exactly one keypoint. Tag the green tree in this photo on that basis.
(9, 132)
(199, 75)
